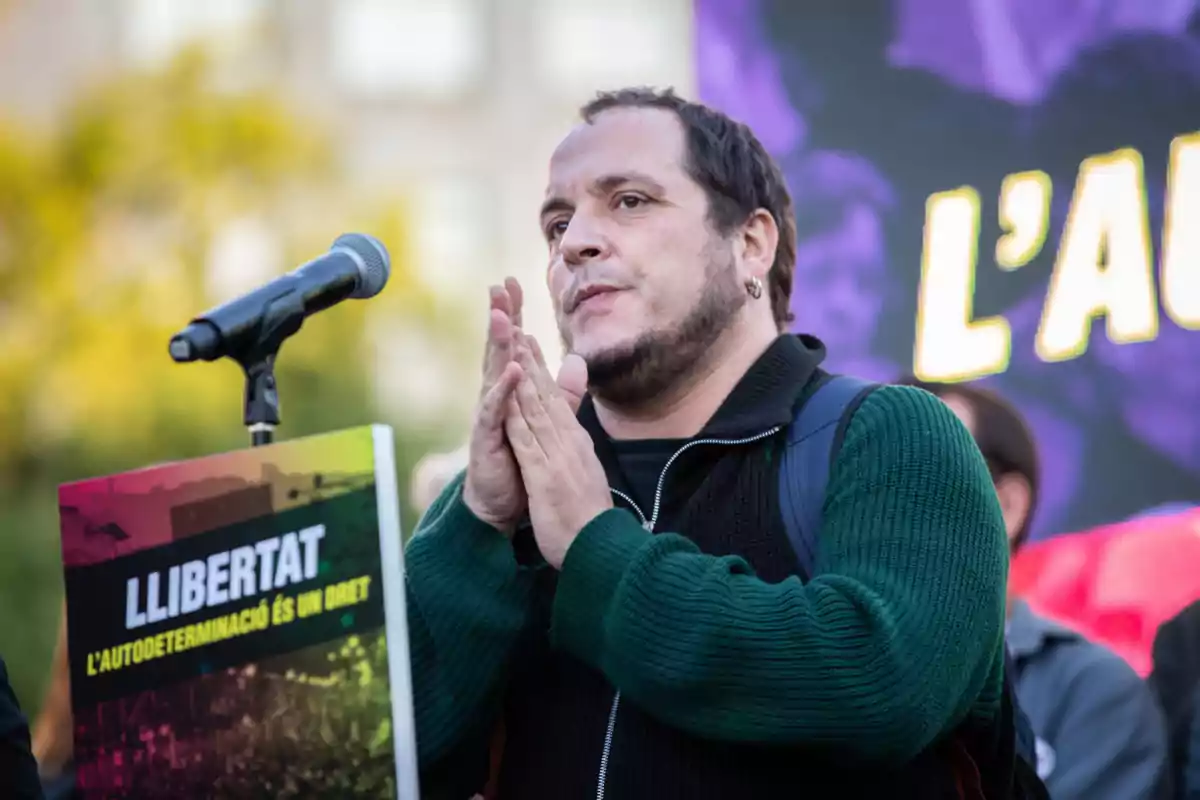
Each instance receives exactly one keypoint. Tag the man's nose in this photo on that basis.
(582, 242)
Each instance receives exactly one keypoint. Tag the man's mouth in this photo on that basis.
(587, 293)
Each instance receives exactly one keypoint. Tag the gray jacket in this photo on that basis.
(1100, 732)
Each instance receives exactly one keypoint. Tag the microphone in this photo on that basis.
(357, 266)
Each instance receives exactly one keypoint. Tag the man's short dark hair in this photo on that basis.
(1002, 435)
(734, 169)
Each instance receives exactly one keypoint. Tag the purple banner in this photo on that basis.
(1003, 191)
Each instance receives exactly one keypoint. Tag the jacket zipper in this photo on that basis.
(649, 524)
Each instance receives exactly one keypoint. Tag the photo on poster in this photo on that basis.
(998, 192)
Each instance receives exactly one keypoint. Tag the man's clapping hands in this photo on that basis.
(527, 449)
(563, 478)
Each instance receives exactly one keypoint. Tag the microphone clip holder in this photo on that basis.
(256, 357)
(261, 406)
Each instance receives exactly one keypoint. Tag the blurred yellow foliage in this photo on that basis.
(105, 231)
(106, 228)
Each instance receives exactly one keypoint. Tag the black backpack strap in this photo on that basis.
(813, 440)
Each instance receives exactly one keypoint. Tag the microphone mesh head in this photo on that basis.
(375, 266)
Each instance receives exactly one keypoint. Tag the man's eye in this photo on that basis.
(631, 201)
(556, 229)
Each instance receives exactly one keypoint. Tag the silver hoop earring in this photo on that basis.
(754, 287)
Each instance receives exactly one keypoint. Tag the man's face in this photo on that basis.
(1011, 490)
(641, 283)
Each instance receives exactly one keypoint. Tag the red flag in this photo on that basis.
(1115, 584)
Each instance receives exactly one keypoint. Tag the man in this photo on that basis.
(1100, 732)
(645, 635)
(18, 771)
(1176, 680)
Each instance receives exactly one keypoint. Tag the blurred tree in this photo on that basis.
(106, 228)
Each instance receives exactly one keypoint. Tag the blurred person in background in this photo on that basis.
(628, 661)
(432, 474)
(18, 769)
(1100, 732)
(1176, 680)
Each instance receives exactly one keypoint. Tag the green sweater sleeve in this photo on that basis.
(890, 644)
(468, 602)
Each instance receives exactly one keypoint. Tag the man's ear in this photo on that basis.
(1016, 498)
(756, 245)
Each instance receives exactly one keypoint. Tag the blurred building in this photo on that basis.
(453, 105)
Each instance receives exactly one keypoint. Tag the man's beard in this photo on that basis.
(633, 375)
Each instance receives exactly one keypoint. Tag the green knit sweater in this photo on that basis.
(897, 638)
